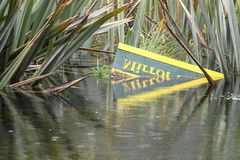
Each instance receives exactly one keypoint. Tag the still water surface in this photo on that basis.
(89, 122)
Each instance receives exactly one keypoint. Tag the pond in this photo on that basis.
(93, 120)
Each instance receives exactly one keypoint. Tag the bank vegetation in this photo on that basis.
(38, 37)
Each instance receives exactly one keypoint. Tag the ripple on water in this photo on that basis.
(233, 97)
(155, 135)
(157, 138)
(116, 126)
(79, 124)
(143, 146)
(124, 134)
(62, 131)
(55, 138)
(81, 146)
(90, 134)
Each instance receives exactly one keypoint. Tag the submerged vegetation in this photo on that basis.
(38, 36)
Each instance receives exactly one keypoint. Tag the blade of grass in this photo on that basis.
(197, 29)
(194, 34)
(175, 26)
(3, 7)
(65, 86)
(120, 16)
(180, 38)
(138, 23)
(31, 80)
(21, 63)
(234, 30)
(133, 8)
(41, 15)
(84, 35)
(24, 22)
(218, 52)
(50, 63)
(95, 50)
(209, 78)
(8, 26)
(110, 25)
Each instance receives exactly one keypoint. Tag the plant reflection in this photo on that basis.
(87, 122)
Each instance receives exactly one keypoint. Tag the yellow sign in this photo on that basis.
(136, 62)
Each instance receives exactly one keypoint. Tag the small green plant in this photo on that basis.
(102, 71)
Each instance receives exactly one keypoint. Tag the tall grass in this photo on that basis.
(47, 32)
(210, 29)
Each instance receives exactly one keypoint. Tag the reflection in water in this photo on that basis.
(89, 123)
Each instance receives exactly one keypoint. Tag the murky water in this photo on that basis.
(89, 122)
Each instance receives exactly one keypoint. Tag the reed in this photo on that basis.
(47, 33)
(209, 28)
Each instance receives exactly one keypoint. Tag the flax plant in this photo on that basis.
(209, 29)
(47, 33)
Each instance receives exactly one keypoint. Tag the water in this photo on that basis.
(89, 122)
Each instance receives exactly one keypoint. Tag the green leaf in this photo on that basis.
(120, 16)
(7, 27)
(217, 50)
(83, 36)
(17, 68)
(28, 53)
(138, 23)
(43, 11)
(3, 7)
(53, 59)
(24, 22)
(234, 30)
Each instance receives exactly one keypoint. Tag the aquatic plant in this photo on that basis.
(46, 33)
(101, 71)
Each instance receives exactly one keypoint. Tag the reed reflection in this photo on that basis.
(183, 124)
